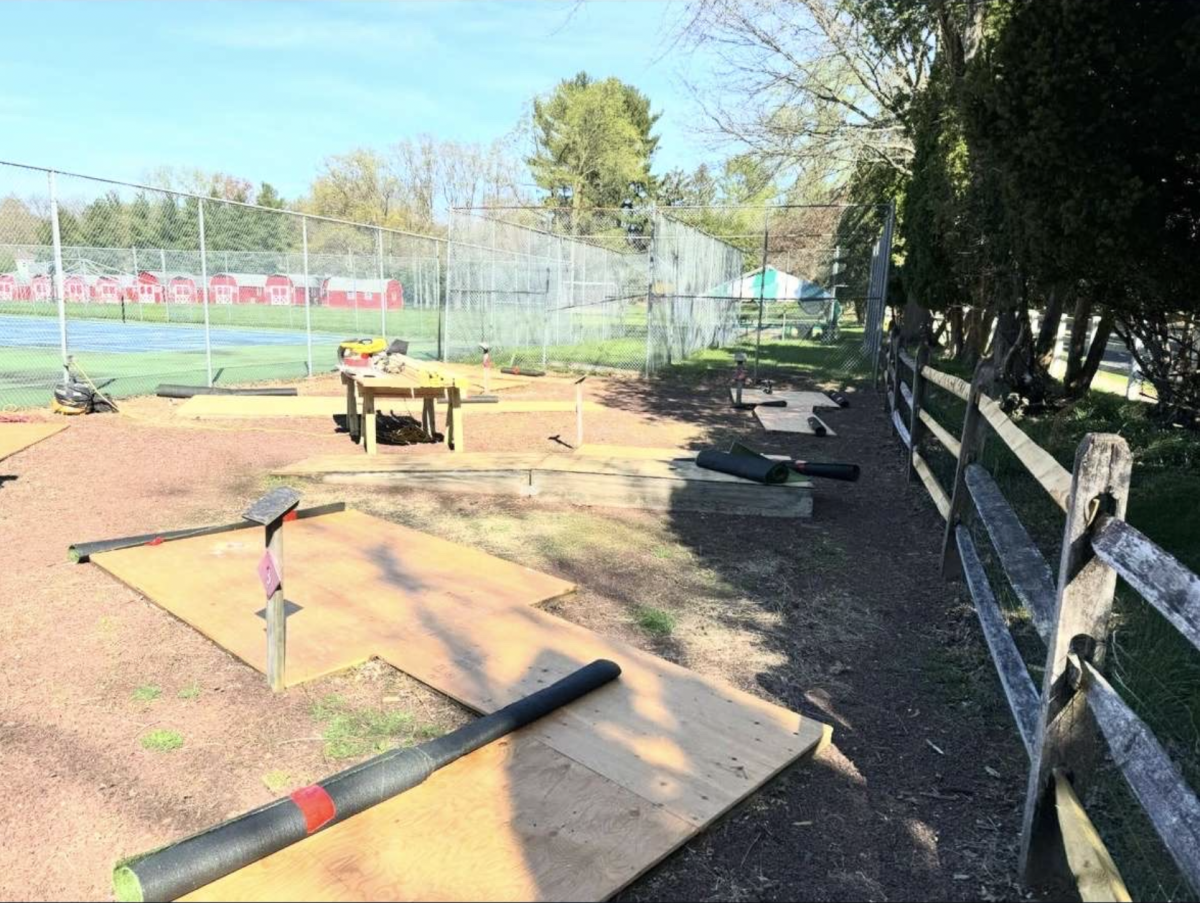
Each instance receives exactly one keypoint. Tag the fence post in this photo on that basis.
(59, 291)
(1065, 737)
(307, 292)
(918, 397)
(971, 447)
(762, 289)
(382, 287)
(204, 282)
(896, 371)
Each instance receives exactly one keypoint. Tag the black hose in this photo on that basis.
(749, 467)
(183, 867)
(169, 391)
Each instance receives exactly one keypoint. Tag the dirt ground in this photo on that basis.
(843, 618)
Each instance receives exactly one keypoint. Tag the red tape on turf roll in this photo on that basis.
(156, 541)
(291, 515)
(316, 805)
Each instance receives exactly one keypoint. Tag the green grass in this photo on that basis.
(147, 693)
(277, 780)
(162, 741)
(350, 732)
(655, 621)
(192, 691)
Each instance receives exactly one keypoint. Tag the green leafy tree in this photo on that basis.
(593, 144)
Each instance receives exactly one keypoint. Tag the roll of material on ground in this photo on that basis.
(816, 425)
(183, 867)
(171, 391)
(749, 467)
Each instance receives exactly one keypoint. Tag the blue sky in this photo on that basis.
(266, 90)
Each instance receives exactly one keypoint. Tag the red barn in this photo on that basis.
(41, 288)
(147, 288)
(13, 288)
(107, 289)
(342, 291)
(75, 288)
(182, 290)
(237, 288)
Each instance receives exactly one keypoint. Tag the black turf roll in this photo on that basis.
(759, 469)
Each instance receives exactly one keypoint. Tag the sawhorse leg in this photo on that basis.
(428, 417)
(454, 420)
(368, 425)
(352, 425)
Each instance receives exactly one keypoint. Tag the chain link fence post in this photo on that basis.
(204, 291)
(307, 292)
(382, 284)
(59, 293)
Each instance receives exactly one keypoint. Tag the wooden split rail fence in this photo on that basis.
(1071, 613)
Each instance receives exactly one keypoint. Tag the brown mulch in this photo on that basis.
(843, 618)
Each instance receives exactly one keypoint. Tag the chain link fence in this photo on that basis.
(140, 285)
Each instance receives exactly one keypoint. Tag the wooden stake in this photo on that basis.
(579, 412)
(276, 615)
(1065, 738)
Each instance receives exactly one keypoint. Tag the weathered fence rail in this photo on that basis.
(1070, 610)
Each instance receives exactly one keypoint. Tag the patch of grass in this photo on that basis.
(655, 621)
(192, 691)
(277, 780)
(351, 732)
(147, 693)
(664, 552)
(162, 741)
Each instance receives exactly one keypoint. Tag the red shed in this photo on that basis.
(41, 288)
(13, 288)
(75, 288)
(147, 288)
(343, 291)
(107, 289)
(238, 288)
(182, 290)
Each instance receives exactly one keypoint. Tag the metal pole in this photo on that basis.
(204, 283)
(162, 260)
(762, 288)
(650, 294)
(307, 291)
(382, 287)
(58, 276)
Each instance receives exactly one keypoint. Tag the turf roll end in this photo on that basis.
(126, 886)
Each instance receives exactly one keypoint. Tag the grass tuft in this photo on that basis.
(162, 741)
(655, 621)
(192, 691)
(277, 780)
(351, 732)
(147, 693)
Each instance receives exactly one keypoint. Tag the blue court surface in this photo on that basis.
(111, 336)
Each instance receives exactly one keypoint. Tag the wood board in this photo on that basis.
(789, 420)
(616, 482)
(574, 807)
(807, 401)
(211, 583)
(515, 820)
(15, 437)
(221, 407)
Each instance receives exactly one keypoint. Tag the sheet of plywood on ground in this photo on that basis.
(807, 401)
(359, 582)
(17, 436)
(529, 407)
(234, 406)
(472, 472)
(788, 420)
(633, 451)
(692, 745)
(515, 820)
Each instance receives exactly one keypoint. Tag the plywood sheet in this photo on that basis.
(515, 820)
(633, 451)
(803, 400)
(789, 420)
(576, 807)
(359, 582)
(256, 406)
(17, 436)
(466, 462)
(529, 407)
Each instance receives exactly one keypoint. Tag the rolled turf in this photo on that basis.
(749, 467)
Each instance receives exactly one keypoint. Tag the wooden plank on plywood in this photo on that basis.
(1052, 476)
(15, 437)
(1024, 564)
(515, 820)
(1168, 800)
(807, 401)
(1161, 578)
(1018, 686)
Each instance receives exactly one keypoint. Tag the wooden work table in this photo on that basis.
(369, 386)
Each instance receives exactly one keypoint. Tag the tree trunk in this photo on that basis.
(1048, 331)
(914, 323)
(1095, 355)
(1078, 340)
(955, 316)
